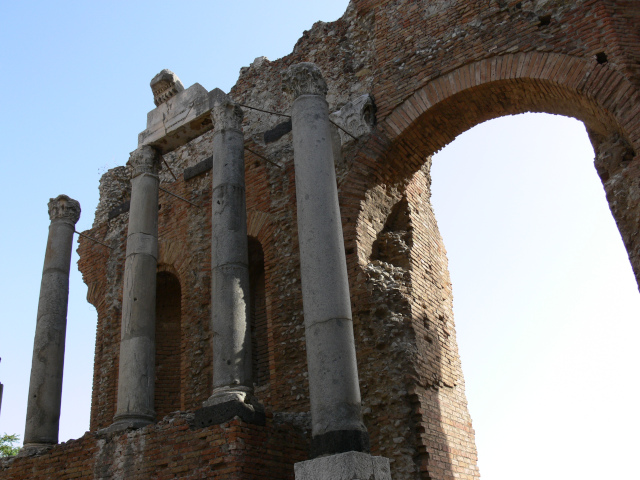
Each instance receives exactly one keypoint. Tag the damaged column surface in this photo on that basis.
(232, 382)
(45, 386)
(136, 375)
(331, 356)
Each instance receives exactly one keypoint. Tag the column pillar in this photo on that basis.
(45, 386)
(136, 375)
(331, 356)
(230, 327)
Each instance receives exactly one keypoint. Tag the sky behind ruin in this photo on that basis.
(545, 303)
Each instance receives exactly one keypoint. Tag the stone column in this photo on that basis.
(331, 356)
(230, 328)
(45, 386)
(136, 376)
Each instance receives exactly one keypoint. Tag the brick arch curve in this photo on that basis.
(502, 85)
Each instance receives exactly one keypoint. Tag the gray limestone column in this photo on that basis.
(331, 356)
(45, 386)
(229, 261)
(136, 375)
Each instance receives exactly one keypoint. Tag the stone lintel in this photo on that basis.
(183, 117)
(344, 466)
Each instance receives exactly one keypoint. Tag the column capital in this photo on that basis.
(304, 79)
(64, 208)
(145, 159)
(227, 115)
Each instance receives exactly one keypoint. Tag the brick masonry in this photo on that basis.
(435, 69)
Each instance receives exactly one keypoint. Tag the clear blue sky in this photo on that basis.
(545, 302)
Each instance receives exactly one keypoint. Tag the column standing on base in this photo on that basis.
(136, 375)
(331, 356)
(229, 261)
(45, 386)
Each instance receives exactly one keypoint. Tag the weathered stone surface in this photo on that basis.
(137, 341)
(165, 85)
(344, 466)
(333, 372)
(357, 117)
(47, 364)
(230, 304)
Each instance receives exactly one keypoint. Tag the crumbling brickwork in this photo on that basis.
(434, 69)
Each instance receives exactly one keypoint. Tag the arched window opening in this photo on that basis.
(168, 339)
(259, 344)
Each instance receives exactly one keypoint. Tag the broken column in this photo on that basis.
(136, 375)
(230, 328)
(331, 356)
(45, 385)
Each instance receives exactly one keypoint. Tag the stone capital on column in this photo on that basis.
(64, 208)
(304, 79)
(227, 115)
(145, 159)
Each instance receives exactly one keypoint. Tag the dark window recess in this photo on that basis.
(198, 169)
(119, 210)
(258, 312)
(168, 340)
(544, 20)
(602, 58)
(277, 132)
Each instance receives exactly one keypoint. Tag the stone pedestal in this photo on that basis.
(331, 356)
(230, 327)
(344, 466)
(45, 386)
(136, 376)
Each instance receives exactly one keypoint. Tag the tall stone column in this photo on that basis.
(136, 376)
(45, 386)
(229, 261)
(331, 356)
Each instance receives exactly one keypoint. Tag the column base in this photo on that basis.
(124, 422)
(344, 466)
(32, 449)
(218, 412)
(339, 441)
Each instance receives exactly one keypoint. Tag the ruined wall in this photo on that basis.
(172, 448)
(434, 68)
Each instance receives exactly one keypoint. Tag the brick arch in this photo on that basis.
(510, 84)
(395, 161)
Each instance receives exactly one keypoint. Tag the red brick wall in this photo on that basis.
(170, 449)
(435, 69)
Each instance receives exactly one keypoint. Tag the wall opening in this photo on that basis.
(258, 314)
(168, 345)
(545, 301)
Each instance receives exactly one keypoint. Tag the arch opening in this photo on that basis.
(168, 382)
(258, 314)
(542, 290)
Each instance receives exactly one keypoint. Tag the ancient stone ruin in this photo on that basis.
(272, 290)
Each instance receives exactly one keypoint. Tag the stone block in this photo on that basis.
(344, 466)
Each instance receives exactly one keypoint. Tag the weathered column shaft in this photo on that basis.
(137, 342)
(45, 386)
(229, 260)
(333, 376)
